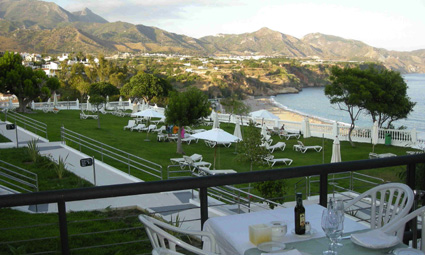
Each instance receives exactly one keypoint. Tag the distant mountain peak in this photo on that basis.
(86, 15)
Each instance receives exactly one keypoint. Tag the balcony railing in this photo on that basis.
(203, 184)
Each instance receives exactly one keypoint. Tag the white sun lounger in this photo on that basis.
(188, 161)
(85, 116)
(207, 171)
(195, 157)
(278, 145)
(130, 125)
(287, 135)
(189, 139)
(302, 148)
(271, 160)
(139, 127)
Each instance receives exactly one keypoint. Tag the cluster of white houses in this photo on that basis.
(50, 66)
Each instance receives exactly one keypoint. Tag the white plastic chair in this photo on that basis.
(389, 202)
(395, 227)
(164, 251)
(162, 241)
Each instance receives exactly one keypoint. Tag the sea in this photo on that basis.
(312, 102)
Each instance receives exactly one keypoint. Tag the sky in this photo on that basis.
(390, 24)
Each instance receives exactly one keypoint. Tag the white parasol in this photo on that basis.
(149, 113)
(237, 131)
(55, 100)
(216, 135)
(375, 135)
(306, 128)
(216, 122)
(335, 129)
(336, 151)
(264, 114)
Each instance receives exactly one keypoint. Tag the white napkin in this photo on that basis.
(375, 239)
(290, 252)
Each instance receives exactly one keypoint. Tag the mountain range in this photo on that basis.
(45, 27)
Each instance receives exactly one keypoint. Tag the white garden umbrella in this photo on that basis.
(10, 103)
(237, 131)
(414, 136)
(335, 129)
(149, 113)
(264, 114)
(216, 135)
(120, 101)
(336, 151)
(216, 122)
(135, 107)
(306, 128)
(88, 105)
(55, 100)
(375, 135)
(107, 102)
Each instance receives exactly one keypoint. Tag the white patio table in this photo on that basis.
(232, 232)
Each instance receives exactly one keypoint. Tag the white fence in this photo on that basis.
(404, 138)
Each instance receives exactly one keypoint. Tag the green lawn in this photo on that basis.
(112, 133)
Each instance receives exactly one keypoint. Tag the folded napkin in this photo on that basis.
(290, 252)
(375, 239)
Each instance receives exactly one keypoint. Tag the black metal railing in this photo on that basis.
(203, 183)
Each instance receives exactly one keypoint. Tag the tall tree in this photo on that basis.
(146, 86)
(389, 101)
(185, 109)
(250, 147)
(97, 101)
(22, 81)
(103, 89)
(233, 105)
(349, 90)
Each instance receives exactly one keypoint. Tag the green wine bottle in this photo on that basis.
(299, 215)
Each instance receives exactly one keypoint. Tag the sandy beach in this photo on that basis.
(266, 104)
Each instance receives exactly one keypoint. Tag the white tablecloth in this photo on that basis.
(232, 234)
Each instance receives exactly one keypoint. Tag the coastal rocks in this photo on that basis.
(285, 90)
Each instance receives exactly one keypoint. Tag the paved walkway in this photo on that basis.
(167, 204)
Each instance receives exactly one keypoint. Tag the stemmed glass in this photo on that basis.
(330, 225)
(338, 206)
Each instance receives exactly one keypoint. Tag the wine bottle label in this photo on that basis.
(302, 220)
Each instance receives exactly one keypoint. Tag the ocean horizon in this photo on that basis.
(312, 102)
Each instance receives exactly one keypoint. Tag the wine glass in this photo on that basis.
(330, 225)
(338, 205)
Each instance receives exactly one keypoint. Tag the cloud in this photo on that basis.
(137, 12)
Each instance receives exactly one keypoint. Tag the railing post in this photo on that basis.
(63, 227)
(323, 190)
(203, 199)
(128, 163)
(410, 175)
